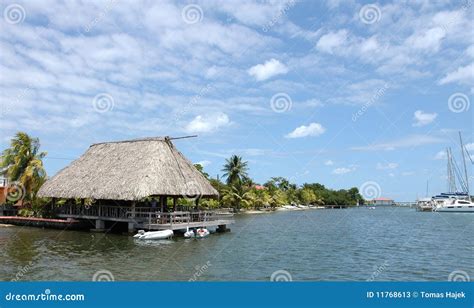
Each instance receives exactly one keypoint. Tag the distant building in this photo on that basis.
(382, 201)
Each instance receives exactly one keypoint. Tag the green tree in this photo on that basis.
(200, 168)
(23, 163)
(235, 170)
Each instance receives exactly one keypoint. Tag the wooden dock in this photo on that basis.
(146, 218)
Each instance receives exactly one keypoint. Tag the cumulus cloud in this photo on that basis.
(343, 170)
(208, 123)
(441, 155)
(406, 142)
(268, 70)
(421, 118)
(329, 42)
(313, 129)
(463, 75)
(387, 166)
(329, 163)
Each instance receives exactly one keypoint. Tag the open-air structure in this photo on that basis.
(137, 183)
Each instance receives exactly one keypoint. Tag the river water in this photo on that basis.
(396, 244)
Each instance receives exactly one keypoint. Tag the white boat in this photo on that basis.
(189, 233)
(455, 205)
(202, 232)
(424, 205)
(154, 235)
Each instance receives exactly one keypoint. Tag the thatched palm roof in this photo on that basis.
(129, 170)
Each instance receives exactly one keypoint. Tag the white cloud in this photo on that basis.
(387, 166)
(329, 163)
(406, 142)
(463, 75)
(204, 163)
(267, 70)
(343, 170)
(207, 124)
(441, 155)
(422, 119)
(313, 129)
(331, 41)
(429, 40)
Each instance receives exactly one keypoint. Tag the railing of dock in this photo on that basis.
(141, 214)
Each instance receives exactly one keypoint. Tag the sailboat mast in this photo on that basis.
(464, 162)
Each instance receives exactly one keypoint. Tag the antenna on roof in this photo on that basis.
(183, 137)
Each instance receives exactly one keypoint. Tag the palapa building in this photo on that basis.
(119, 176)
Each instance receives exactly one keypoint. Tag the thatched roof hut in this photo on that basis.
(129, 170)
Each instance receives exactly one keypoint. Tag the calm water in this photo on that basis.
(350, 244)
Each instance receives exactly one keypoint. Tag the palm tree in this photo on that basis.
(22, 163)
(235, 170)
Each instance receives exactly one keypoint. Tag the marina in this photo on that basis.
(387, 243)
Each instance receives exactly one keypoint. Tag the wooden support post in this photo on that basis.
(197, 204)
(162, 204)
(175, 202)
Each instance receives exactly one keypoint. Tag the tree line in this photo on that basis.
(22, 165)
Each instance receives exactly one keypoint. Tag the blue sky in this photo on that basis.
(337, 92)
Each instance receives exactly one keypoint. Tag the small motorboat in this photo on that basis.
(202, 232)
(154, 235)
(189, 233)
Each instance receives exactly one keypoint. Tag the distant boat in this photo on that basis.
(424, 205)
(154, 235)
(455, 201)
(189, 233)
(456, 205)
(202, 232)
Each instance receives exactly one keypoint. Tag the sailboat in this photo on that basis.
(455, 201)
